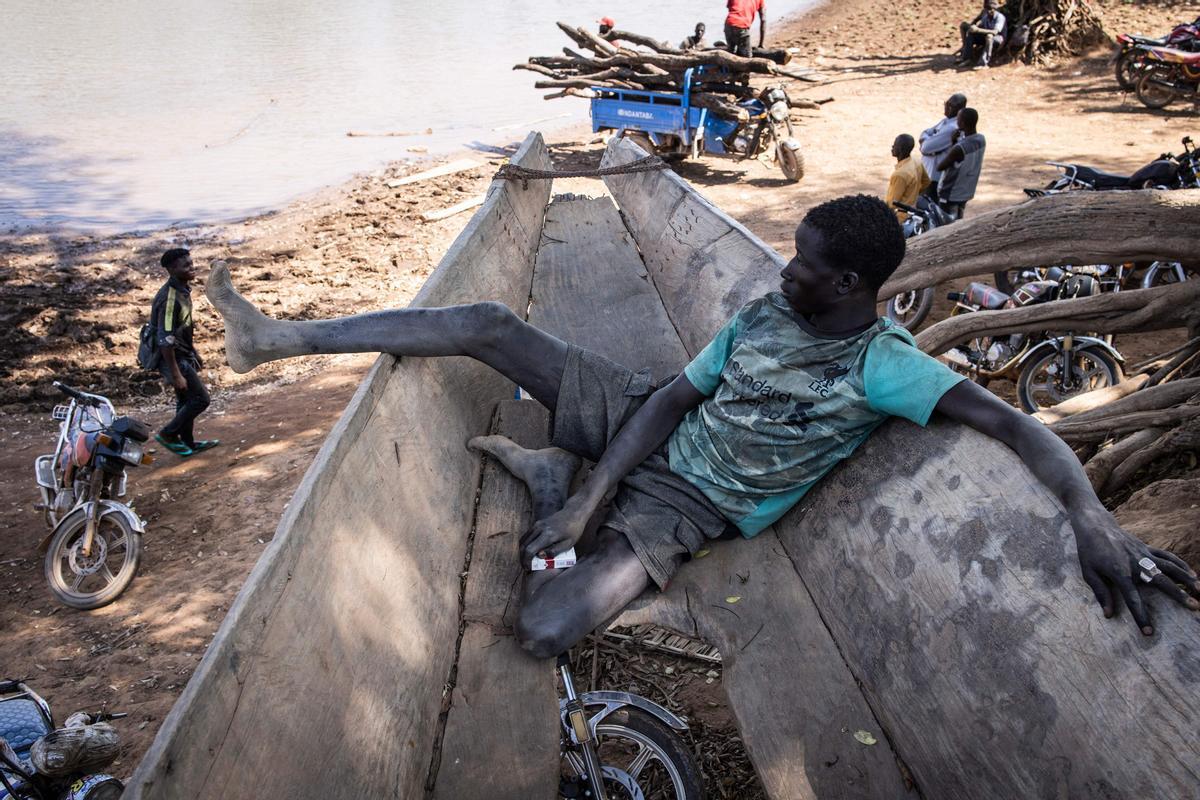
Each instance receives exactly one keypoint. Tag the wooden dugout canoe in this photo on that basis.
(926, 592)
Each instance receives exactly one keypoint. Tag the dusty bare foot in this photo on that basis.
(547, 472)
(244, 324)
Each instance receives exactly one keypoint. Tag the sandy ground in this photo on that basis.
(70, 306)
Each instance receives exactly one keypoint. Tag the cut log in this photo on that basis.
(1147, 399)
(457, 208)
(1100, 466)
(1160, 308)
(1091, 400)
(1068, 228)
(1091, 431)
(1179, 439)
(458, 165)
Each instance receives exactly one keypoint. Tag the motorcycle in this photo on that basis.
(1168, 171)
(909, 309)
(1168, 74)
(41, 762)
(95, 542)
(1047, 368)
(1131, 51)
(765, 127)
(619, 746)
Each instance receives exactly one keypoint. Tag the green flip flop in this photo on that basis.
(205, 444)
(177, 447)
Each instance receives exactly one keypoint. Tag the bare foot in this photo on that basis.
(244, 324)
(547, 472)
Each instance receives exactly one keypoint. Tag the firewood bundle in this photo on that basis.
(626, 60)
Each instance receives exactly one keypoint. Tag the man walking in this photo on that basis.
(737, 25)
(937, 139)
(961, 166)
(171, 316)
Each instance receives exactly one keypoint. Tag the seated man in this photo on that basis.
(908, 178)
(790, 386)
(982, 36)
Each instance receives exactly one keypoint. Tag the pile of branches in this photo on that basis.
(612, 62)
(1056, 27)
(1153, 415)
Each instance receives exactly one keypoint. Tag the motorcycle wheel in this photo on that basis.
(1129, 70)
(790, 161)
(634, 745)
(909, 309)
(90, 583)
(1039, 385)
(1153, 94)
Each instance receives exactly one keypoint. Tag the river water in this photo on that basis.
(121, 114)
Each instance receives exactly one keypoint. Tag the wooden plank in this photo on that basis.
(502, 735)
(796, 704)
(457, 208)
(949, 581)
(458, 165)
(503, 516)
(704, 264)
(350, 618)
(590, 288)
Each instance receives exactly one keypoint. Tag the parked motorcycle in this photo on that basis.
(619, 746)
(1131, 51)
(1168, 171)
(1167, 75)
(41, 762)
(95, 542)
(1047, 368)
(909, 309)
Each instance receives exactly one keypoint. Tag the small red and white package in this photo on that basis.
(564, 559)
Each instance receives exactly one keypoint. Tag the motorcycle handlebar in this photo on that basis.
(906, 207)
(75, 394)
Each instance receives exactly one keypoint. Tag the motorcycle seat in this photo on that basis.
(984, 296)
(22, 723)
(1175, 56)
(1100, 179)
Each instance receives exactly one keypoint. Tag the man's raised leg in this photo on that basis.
(488, 332)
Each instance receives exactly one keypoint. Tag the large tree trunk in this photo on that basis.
(1070, 228)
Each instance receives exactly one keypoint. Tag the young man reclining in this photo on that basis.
(791, 385)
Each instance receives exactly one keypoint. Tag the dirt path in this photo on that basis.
(70, 306)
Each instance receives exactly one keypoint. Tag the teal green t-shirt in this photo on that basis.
(785, 405)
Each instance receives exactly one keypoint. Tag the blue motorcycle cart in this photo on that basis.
(669, 125)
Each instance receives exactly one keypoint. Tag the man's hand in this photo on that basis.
(554, 534)
(1113, 559)
(178, 381)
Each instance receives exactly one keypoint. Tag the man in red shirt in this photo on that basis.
(738, 22)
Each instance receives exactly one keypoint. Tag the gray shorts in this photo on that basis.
(665, 518)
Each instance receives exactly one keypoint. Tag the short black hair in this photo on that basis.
(861, 234)
(173, 255)
(906, 143)
(970, 116)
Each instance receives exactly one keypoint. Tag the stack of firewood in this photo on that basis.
(626, 60)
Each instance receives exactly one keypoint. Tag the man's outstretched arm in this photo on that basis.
(1108, 556)
(648, 428)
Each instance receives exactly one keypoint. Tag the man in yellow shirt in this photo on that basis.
(909, 177)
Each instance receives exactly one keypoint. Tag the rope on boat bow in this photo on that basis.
(514, 172)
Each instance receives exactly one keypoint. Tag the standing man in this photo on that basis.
(936, 140)
(738, 22)
(961, 166)
(171, 316)
(982, 35)
(909, 177)
(695, 42)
